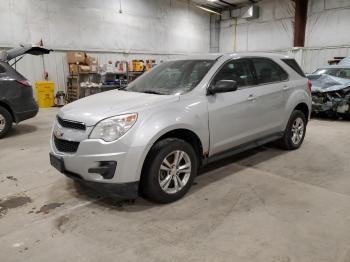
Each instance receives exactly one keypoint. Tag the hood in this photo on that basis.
(23, 49)
(93, 109)
(345, 61)
(326, 83)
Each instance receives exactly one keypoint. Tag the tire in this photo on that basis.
(5, 122)
(295, 131)
(157, 172)
(346, 116)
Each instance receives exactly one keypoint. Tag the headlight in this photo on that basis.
(114, 127)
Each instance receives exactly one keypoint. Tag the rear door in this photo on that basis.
(272, 80)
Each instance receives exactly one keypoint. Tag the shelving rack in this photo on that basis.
(74, 84)
(75, 91)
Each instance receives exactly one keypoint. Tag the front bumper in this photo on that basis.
(116, 190)
(116, 165)
(323, 102)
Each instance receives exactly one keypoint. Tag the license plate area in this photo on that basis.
(57, 163)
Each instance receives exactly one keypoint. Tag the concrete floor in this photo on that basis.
(263, 205)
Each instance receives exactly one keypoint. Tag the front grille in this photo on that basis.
(71, 124)
(66, 146)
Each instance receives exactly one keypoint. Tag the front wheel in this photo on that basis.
(5, 122)
(295, 131)
(169, 171)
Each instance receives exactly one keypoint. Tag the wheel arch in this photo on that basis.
(181, 133)
(303, 108)
(300, 99)
(8, 108)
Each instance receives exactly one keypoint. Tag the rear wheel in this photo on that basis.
(295, 131)
(169, 170)
(5, 121)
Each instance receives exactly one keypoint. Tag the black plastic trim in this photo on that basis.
(242, 148)
(71, 124)
(106, 169)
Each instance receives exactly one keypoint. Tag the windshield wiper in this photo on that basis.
(152, 92)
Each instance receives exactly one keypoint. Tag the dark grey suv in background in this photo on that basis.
(16, 93)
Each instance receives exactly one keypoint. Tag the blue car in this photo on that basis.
(331, 89)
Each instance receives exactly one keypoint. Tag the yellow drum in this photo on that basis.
(45, 93)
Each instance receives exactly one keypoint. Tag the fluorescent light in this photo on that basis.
(207, 10)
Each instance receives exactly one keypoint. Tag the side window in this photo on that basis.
(237, 70)
(267, 71)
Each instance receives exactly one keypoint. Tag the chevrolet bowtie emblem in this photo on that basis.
(59, 133)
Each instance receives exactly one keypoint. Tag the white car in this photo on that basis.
(153, 136)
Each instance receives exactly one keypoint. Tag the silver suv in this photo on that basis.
(152, 137)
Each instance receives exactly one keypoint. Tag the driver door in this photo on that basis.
(232, 115)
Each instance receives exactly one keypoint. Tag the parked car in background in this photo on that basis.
(331, 89)
(153, 136)
(16, 93)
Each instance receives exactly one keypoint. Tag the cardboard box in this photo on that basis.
(76, 57)
(84, 68)
(89, 60)
(94, 68)
(73, 69)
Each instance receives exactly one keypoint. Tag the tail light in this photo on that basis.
(24, 82)
(309, 84)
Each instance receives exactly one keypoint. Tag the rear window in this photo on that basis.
(294, 65)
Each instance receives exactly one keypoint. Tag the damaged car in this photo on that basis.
(331, 90)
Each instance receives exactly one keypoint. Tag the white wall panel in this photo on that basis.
(314, 58)
(332, 4)
(269, 35)
(6, 36)
(144, 25)
(328, 23)
(145, 29)
(326, 31)
(273, 30)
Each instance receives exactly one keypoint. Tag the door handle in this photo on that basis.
(251, 98)
(285, 87)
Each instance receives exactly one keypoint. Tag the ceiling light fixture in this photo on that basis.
(208, 10)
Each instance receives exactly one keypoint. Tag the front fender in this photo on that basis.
(156, 123)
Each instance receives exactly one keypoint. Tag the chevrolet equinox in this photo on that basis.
(153, 136)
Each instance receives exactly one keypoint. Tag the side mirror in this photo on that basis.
(223, 86)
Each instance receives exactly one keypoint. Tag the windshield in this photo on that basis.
(173, 77)
(338, 72)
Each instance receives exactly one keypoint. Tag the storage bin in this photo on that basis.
(45, 93)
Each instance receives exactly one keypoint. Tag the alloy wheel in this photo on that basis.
(174, 172)
(297, 130)
(2, 122)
